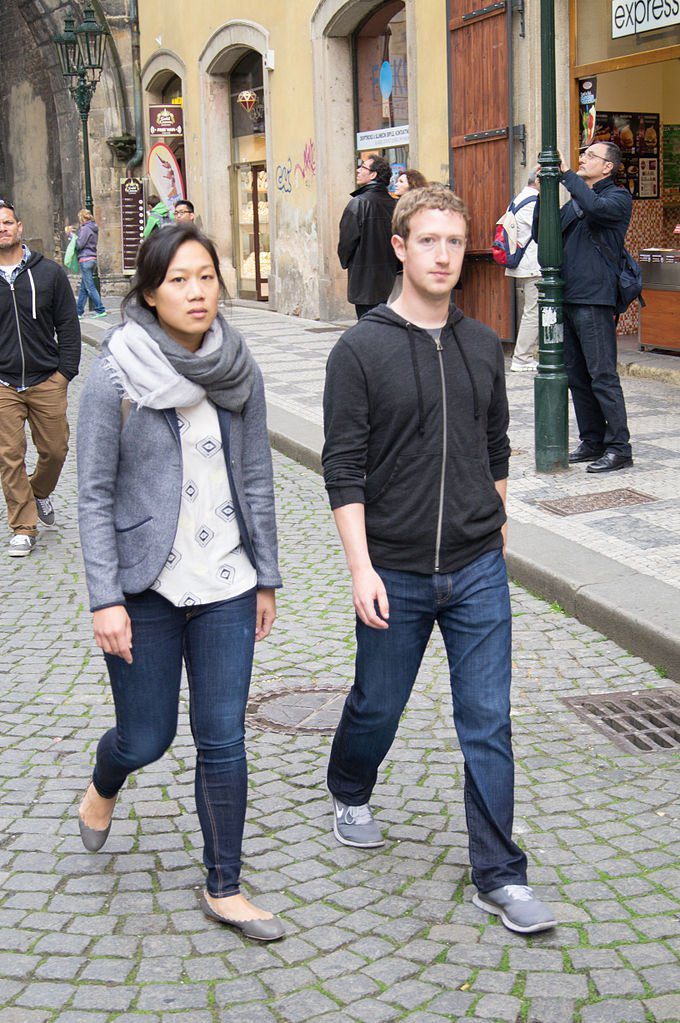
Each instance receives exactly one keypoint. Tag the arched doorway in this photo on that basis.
(250, 202)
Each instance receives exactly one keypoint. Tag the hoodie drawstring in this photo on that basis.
(475, 397)
(416, 374)
(30, 277)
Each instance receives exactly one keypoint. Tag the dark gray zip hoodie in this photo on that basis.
(418, 435)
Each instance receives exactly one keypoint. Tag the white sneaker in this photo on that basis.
(524, 367)
(45, 512)
(20, 545)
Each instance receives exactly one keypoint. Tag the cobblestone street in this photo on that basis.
(371, 938)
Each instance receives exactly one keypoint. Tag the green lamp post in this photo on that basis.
(550, 385)
(81, 56)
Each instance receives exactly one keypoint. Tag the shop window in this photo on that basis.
(381, 85)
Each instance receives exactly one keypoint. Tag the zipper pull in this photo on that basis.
(438, 344)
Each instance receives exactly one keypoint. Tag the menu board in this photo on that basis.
(671, 161)
(637, 136)
(132, 220)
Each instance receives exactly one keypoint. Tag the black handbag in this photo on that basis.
(628, 275)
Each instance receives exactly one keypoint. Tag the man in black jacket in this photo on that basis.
(39, 355)
(364, 248)
(416, 463)
(594, 225)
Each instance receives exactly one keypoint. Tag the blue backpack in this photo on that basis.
(505, 250)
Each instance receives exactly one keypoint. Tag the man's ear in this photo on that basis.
(399, 246)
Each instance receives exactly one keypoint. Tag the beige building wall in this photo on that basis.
(309, 109)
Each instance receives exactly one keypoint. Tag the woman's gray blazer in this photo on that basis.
(130, 487)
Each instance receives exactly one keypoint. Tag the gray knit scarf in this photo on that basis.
(157, 372)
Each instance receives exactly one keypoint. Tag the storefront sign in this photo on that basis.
(132, 220)
(166, 120)
(630, 17)
(383, 138)
(165, 173)
(637, 136)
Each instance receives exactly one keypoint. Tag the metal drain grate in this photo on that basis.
(580, 504)
(310, 711)
(646, 721)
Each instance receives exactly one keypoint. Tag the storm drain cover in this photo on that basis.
(639, 722)
(310, 711)
(582, 503)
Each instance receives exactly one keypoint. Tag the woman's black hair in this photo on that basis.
(155, 255)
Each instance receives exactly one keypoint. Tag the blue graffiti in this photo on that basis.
(284, 175)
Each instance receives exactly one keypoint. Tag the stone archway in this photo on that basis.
(332, 26)
(220, 55)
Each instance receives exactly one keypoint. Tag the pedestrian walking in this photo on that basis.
(178, 534)
(158, 214)
(594, 224)
(527, 275)
(39, 356)
(185, 211)
(87, 237)
(409, 178)
(416, 463)
(364, 248)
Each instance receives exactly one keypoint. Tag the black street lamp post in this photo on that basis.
(550, 385)
(81, 55)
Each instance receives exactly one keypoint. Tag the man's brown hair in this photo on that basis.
(434, 196)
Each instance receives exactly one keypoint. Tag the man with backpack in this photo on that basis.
(527, 273)
(594, 224)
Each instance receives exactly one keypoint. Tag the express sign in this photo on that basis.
(632, 16)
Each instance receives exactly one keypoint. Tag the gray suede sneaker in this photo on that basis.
(45, 512)
(354, 825)
(518, 908)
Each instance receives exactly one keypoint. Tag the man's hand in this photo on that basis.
(367, 590)
(265, 615)
(113, 632)
(564, 167)
(59, 378)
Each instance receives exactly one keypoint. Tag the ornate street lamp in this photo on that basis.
(81, 56)
(550, 385)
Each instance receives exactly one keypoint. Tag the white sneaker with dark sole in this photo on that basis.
(20, 545)
(354, 825)
(518, 908)
(45, 512)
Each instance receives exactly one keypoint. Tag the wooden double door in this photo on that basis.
(482, 149)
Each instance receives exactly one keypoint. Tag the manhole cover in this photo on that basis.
(580, 504)
(639, 722)
(309, 711)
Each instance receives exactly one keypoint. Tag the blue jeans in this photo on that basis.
(472, 610)
(590, 362)
(216, 643)
(88, 289)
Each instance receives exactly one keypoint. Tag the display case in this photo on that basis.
(254, 259)
(660, 317)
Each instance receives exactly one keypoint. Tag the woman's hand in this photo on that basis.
(113, 631)
(265, 615)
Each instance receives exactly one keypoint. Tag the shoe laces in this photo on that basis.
(359, 814)
(520, 892)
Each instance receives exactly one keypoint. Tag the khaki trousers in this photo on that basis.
(44, 405)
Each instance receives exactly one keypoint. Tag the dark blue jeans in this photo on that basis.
(472, 609)
(88, 289)
(590, 362)
(216, 643)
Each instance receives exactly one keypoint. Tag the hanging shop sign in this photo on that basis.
(131, 220)
(166, 121)
(384, 138)
(165, 173)
(637, 136)
(587, 92)
(630, 17)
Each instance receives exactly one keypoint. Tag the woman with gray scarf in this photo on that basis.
(178, 533)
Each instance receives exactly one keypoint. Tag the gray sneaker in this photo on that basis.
(45, 512)
(20, 545)
(354, 825)
(518, 908)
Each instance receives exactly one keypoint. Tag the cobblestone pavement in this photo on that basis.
(371, 937)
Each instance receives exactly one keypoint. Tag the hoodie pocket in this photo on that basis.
(133, 542)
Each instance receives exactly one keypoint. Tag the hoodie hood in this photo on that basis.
(34, 259)
(161, 209)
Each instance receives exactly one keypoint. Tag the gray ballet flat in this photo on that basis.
(92, 839)
(258, 930)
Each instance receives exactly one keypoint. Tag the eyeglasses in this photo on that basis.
(588, 155)
(365, 166)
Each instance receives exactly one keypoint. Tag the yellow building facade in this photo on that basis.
(276, 112)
